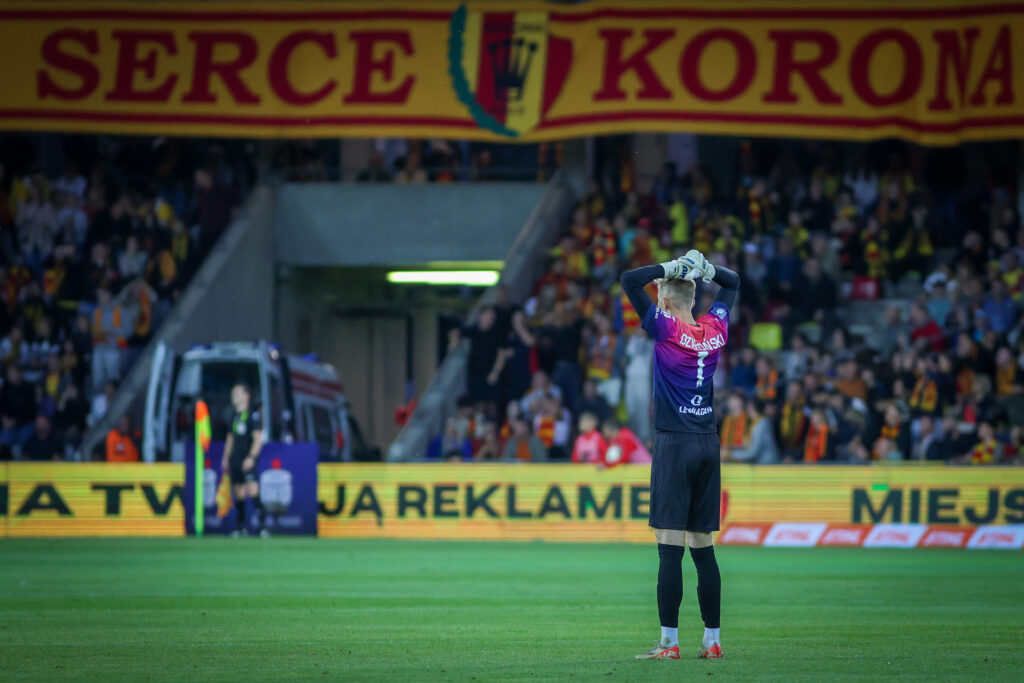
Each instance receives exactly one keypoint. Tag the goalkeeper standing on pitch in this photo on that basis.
(686, 476)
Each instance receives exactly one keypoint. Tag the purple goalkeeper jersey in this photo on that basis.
(685, 357)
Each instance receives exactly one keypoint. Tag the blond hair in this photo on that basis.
(676, 293)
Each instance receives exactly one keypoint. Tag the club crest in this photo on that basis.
(506, 68)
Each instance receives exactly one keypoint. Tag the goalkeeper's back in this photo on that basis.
(685, 358)
(686, 349)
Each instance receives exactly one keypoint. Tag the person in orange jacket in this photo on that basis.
(120, 444)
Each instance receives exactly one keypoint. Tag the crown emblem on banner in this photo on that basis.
(510, 64)
(506, 68)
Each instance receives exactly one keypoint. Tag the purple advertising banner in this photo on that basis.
(288, 490)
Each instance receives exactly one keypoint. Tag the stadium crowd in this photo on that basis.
(92, 259)
(927, 243)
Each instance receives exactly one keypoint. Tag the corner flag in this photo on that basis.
(203, 435)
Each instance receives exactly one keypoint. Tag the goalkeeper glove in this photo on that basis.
(679, 269)
(699, 264)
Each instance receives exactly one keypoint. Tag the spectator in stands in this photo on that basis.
(590, 444)
(14, 349)
(121, 445)
(893, 442)
(70, 418)
(915, 248)
(989, 450)
(819, 444)
(36, 223)
(553, 426)
(43, 444)
(925, 333)
(816, 210)
(593, 402)
(850, 383)
(928, 444)
(999, 311)
(451, 444)
(766, 386)
(17, 408)
(793, 422)
(71, 223)
(72, 182)
(743, 376)
(540, 388)
(101, 403)
(110, 330)
(217, 199)
(489, 447)
(623, 445)
(640, 354)
(132, 262)
(523, 446)
(484, 364)
(815, 296)
(734, 433)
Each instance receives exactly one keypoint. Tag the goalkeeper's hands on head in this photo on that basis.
(689, 267)
(680, 270)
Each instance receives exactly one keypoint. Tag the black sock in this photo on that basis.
(240, 514)
(670, 583)
(709, 585)
(261, 514)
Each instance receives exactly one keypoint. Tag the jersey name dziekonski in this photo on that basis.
(685, 358)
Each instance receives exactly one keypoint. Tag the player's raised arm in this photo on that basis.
(634, 281)
(729, 282)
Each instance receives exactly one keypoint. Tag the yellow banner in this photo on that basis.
(581, 503)
(91, 499)
(937, 71)
(513, 502)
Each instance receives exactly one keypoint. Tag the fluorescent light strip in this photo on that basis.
(473, 278)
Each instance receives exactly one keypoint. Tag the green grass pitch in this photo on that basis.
(220, 609)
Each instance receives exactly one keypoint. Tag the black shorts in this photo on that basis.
(238, 475)
(686, 482)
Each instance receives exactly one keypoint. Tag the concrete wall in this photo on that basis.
(362, 224)
(378, 336)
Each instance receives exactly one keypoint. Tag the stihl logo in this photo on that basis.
(742, 534)
(893, 537)
(795, 534)
(997, 537)
(842, 537)
(953, 539)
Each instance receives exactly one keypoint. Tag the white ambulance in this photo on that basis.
(299, 399)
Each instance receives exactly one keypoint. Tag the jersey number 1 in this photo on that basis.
(700, 367)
